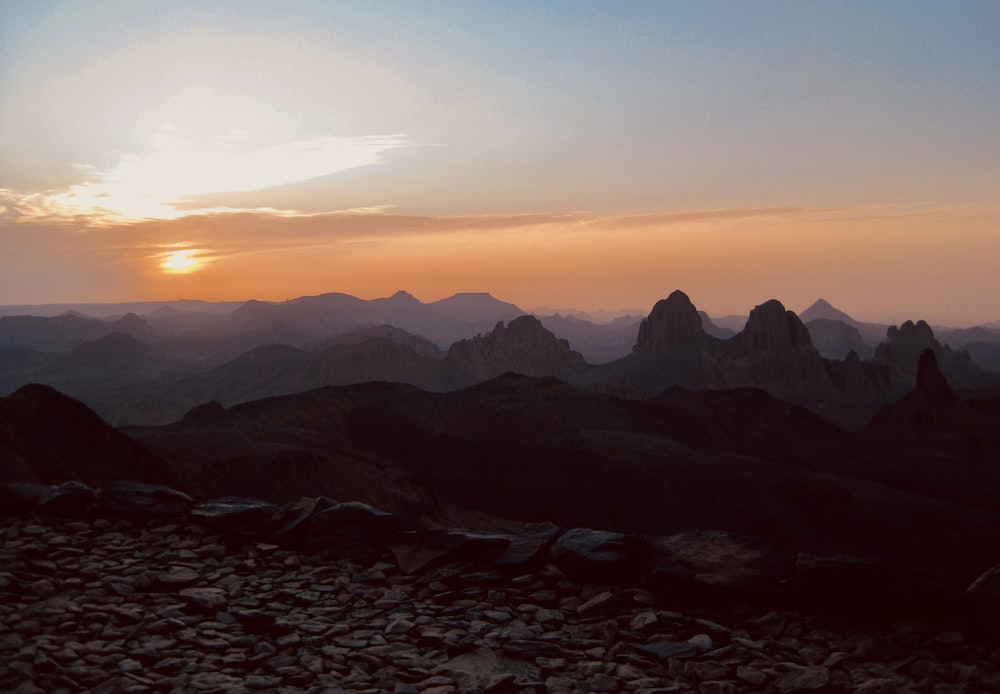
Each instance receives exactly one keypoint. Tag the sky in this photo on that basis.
(570, 154)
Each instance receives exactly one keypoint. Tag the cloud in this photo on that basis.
(167, 181)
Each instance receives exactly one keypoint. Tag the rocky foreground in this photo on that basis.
(130, 605)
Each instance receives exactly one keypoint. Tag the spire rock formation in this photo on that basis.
(672, 322)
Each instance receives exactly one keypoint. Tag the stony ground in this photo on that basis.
(120, 606)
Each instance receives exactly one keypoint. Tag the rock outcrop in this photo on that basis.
(900, 353)
(775, 352)
(673, 322)
(522, 346)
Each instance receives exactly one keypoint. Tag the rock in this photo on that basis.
(144, 500)
(208, 598)
(672, 322)
(712, 564)
(664, 650)
(236, 514)
(529, 545)
(417, 550)
(68, 499)
(524, 346)
(801, 680)
(594, 555)
(18, 497)
(350, 529)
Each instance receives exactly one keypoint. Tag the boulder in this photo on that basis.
(350, 529)
(595, 556)
(235, 514)
(144, 500)
(716, 564)
(529, 546)
(418, 550)
(68, 499)
(20, 497)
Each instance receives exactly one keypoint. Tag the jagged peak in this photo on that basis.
(931, 381)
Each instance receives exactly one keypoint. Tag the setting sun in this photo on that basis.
(180, 262)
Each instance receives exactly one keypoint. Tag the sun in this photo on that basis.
(180, 262)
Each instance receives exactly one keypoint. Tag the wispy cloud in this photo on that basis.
(166, 182)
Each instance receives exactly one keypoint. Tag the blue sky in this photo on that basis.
(119, 112)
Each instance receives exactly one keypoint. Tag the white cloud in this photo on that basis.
(166, 182)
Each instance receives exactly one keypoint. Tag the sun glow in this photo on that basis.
(181, 262)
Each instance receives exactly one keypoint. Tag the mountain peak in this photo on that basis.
(770, 324)
(821, 308)
(930, 381)
(672, 321)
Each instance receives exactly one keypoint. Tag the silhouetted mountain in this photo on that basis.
(420, 345)
(599, 343)
(538, 449)
(835, 339)
(523, 346)
(375, 359)
(61, 333)
(714, 330)
(958, 339)
(871, 333)
(117, 357)
(821, 308)
(773, 352)
(48, 438)
(932, 421)
(311, 318)
(262, 372)
(901, 351)
(985, 354)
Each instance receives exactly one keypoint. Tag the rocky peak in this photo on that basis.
(524, 346)
(672, 321)
(770, 325)
(930, 381)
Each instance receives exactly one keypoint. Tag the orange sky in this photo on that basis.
(581, 154)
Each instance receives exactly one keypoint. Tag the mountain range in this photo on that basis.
(697, 427)
(151, 369)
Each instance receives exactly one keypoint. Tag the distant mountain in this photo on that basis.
(958, 339)
(901, 351)
(715, 330)
(835, 339)
(115, 310)
(524, 346)
(598, 342)
(821, 308)
(375, 359)
(48, 438)
(420, 345)
(598, 317)
(773, 352)
(871, 333)
(311, 318)
(62, 333)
